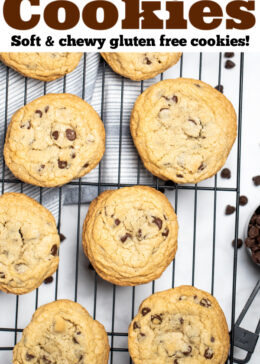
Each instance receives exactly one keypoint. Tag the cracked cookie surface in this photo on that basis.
(29, 243)
(183, 130)
(42, 66)
(183, 325)
(130, 235)
(53, 140)
(62, 332)
(140, 66)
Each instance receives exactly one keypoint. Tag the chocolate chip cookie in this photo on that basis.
(42, 66)
(130, 235)
(183, 130)
(53, 140)
(29, 243)
(141, 66)
(62, 332)
(183, 325)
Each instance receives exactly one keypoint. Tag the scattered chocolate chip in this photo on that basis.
(208, 353)
(197, 85)
(55, 135)
(256, 180)
(135, 326)
(239, 243)
(156, 319)
(125, 237)
(75, 341)
(229, 54)
(195, 297)
(179, 175)
(70, 134)
(202, 166)
(142, 334)
(243, 200)
(29, 357)
(78, 332)
(81, 357)
(181, 321)
(73, 155)
(229, 64)
(42, 166)
(166, 232)
(54, 250)
(212, 339)
(139, 234)
(147, 61)
(225, 173)
(2, 275)
(62, 164)
(86, 165)
(145, 311)
(157, 221)
(220, 88)
(39, 112)
(62, 237)
(253, 232)
(176, 361)
(46, 361)
(48, 280)
(205, 302)
(46, 109)
(188, 351)
(230, 210)
(117, 222)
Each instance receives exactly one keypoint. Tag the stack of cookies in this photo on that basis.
(183, 130)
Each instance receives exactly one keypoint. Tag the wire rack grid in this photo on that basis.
(215, 189)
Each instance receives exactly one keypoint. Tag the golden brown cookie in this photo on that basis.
(53, 140)
(183, 325)
(42, 66)
(62, 332)
(130, 235)
(141, 66)
(29, 243)
(183, 130)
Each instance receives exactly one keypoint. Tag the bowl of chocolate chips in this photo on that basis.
(252, 240)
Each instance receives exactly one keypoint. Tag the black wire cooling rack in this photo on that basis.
(158, 184)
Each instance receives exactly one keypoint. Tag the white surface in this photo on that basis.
(225, 227)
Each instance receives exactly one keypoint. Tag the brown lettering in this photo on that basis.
(89, 15)
(197, 14)
(247, 20)
(13, 17)
(71, 17)
(176, 19)
(133, 15)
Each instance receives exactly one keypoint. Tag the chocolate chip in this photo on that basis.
(39, 112)
(175, 99)
(243, 200)
(42, 166)
(75, 341)
(48, 280)
(239, 243)
(73, 155)
(157, 221)
(205, 302)
(195, 297)
(55, 135)
(156, 319)
(202, 166)
(230, 210)
(86, 165)
(142, 334)
(250, 242)
(188, 351)
(197, 85)
(2, 275)
(256, 180)
(145, 311)
(139, 234)
(176, 361)
(70, 134)
(125, 237)
(256, 257)
(208, 353)
(54, 250)
(253, 232)
(225, 173)
(179, 175)
(212, 339)
(147, 61)
(117, 222)
(220, 88)
(62, 164)
(135, 326)
(181, 320)
(192, 121)
(166, 232)
(62, 237)
(29, 357)
(229, 54)
(47, 361)
(229, 65)
(46, 109)
(78, 332)
(81, 357)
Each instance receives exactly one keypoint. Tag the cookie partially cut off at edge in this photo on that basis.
(183, 325)
(140, 66)
(183, 130)
(130, 235)
(42, 66)
(53, 140)
(29, 244)
(62, 332)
